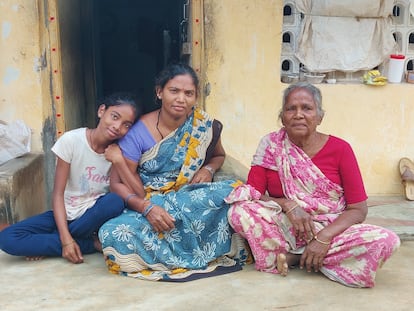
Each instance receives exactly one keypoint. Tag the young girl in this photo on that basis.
(81, 202)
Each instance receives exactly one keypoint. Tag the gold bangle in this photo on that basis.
(320, 241)
(292, 209)
(67, 244)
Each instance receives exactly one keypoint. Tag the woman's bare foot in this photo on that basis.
(284, 261)
(282, 265)
(34, 258)
(97, 244)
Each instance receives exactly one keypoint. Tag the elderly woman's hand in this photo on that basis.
(301, 221)
(314, 254)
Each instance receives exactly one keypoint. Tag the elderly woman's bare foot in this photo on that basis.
(284, 261)
(282, 264)
(34, 258)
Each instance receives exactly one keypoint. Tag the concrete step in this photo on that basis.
(22, 188)
(394, 213)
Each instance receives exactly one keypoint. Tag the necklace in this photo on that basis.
(96, 148)
(90, 139)
(158, 121)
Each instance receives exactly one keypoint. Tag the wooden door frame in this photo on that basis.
(197, 44)
(58, 101)
(56, 68)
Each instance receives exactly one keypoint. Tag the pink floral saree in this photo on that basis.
(354, 255)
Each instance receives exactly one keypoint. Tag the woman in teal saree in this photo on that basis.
(175, 226)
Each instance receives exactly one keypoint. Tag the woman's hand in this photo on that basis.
(203, 175)
(314, 254)
(72, 252)
(160, 219)
(318, 247)
(301, 221)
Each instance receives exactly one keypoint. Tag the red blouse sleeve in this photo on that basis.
(354, 190)
(265, 180)
(337, 162)
(257, 178)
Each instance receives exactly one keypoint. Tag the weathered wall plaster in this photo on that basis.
(242, 53)
(243, 47)
(20, 84)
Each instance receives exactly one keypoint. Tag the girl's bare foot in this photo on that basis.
(282, 265)
(34, 258)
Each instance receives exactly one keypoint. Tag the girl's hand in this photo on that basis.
(160, 219)
(72, 252)
(113, 153)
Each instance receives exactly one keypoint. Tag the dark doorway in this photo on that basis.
(137, 38)
(116, 45)
(110, 46)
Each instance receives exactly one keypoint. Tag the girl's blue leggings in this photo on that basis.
(38, 235)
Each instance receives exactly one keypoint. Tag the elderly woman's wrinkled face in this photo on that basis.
(300, 116)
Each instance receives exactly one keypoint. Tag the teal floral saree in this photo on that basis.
(202, 242)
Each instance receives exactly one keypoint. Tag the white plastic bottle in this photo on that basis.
(396, 68)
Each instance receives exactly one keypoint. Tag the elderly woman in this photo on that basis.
(305, 203)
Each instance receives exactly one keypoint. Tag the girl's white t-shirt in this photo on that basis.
(89, 172)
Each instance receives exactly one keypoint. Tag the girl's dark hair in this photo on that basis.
(123, 98)
(173, 70)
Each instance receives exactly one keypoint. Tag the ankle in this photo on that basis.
(292, 259)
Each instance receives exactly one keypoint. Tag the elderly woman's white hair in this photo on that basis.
(313, 90)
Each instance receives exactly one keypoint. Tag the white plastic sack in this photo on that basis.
(360, 39)
(15, 139)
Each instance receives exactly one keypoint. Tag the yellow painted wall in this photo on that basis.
(20, 66)
(243, 46)
(242, 41)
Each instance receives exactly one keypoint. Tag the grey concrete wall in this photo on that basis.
(232, 169)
